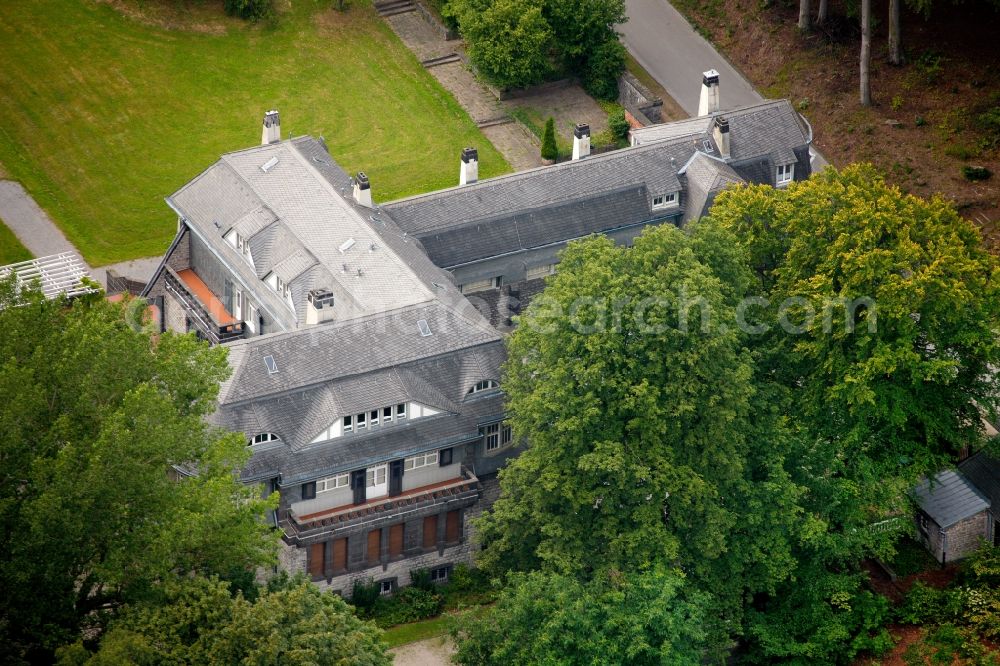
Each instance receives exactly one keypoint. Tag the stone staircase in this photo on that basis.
(393, 7)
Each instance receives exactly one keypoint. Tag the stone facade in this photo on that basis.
(638, 100)
(958, 541)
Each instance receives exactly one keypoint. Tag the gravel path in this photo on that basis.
(435, 651)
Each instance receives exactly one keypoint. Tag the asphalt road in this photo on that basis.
(674, 54)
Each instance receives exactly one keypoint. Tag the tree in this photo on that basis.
(94, 417)
(631, 382)
(508, 39)
(549, 149)
(895, 51)
(823, 13)
(603, 67)
(639, 618)
(805, 17)
(197, 621)
(866, 52)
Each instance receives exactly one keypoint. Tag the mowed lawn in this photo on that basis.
(11, 250)
(109, 107)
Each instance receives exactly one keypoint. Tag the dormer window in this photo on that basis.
(373, 419)
(484, 385)
(665, 200)
(263, 438)
(786, 172)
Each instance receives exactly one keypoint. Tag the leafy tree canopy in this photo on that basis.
(94, 417)
(544, 618)
(197, 621)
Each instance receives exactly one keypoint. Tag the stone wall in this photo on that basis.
(446, 33)
(637, 99)
(174, 314)
(963, 537)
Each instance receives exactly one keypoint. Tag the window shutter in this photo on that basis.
(309, 490)
(444, 457)
(395, 477)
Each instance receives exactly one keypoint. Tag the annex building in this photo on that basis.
(366, 340)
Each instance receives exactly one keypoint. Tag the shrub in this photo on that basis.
(976, 173)
(364, 595)
(508, 40)
(421, 579)
(983, 567)
(618, 124)
(605, 64)
(408, 605)
(925, 604)
(252, 10)
(549, 149)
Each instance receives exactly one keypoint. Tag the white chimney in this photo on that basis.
(320, 307)
(720, 131)
(272, 128)
(581, 141)
(469, 171)
(363, 190)
(709, 101)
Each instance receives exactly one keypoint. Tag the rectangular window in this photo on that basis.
(538, 272)
(505, 435)
(373, 417)
(452, 527)
(348, 424)
(498, 281)
(251, 317)
(420, 460)
(430, 531)
(396, 540)
(375, 476)
(492, 436)
(665, 200)
(386, 587)
(440, 575)
(445, 457)
(401, 410)
(333, 482)
(374, 546)
(361, 421)
(478, 285)
(386, 414)
(785, 173)
(309, 490)
(317, 554)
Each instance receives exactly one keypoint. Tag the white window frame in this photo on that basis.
(347, 425)
(667, 200)
(333, 483)
(360, 421)
(401, 411)
(484, 385)
(251, 320)
(387, 414)
(491, 435)
(386, 588)
(785, 174)
(373, 417)
(440, 574)
(264, 437)
(420, 460)
(375, 476)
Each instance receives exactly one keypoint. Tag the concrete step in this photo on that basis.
(493, 122)
(395, 7)
(440, 60)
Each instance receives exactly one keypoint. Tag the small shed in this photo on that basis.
(983, 470)
(953, 515)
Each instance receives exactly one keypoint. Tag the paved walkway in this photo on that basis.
(39, 234)
(674, 54)
(429, 652)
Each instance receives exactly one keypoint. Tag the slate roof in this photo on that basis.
(949, 498)
(756, 130)
(983, 471)
(705, 176)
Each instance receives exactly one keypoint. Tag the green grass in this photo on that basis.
(109, 111)
(11, 250)
(417, 631)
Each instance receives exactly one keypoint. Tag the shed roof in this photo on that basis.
(949, 498)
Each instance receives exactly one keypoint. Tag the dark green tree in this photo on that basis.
(549, 149)
(198, 622)
(509, 40)
(545, 618)
(95, 419)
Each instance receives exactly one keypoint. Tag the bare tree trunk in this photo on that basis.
(895, 53)
(804, 18)
(866, 51)
(824, 11)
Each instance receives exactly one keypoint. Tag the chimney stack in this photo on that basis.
(720, 131)
(320, 307)
(469, 172)
(272, 128)
(363, 190)
(708, 103)
(581, 140)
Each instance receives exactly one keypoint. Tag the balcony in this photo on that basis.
(462, 491)
(205, 310)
